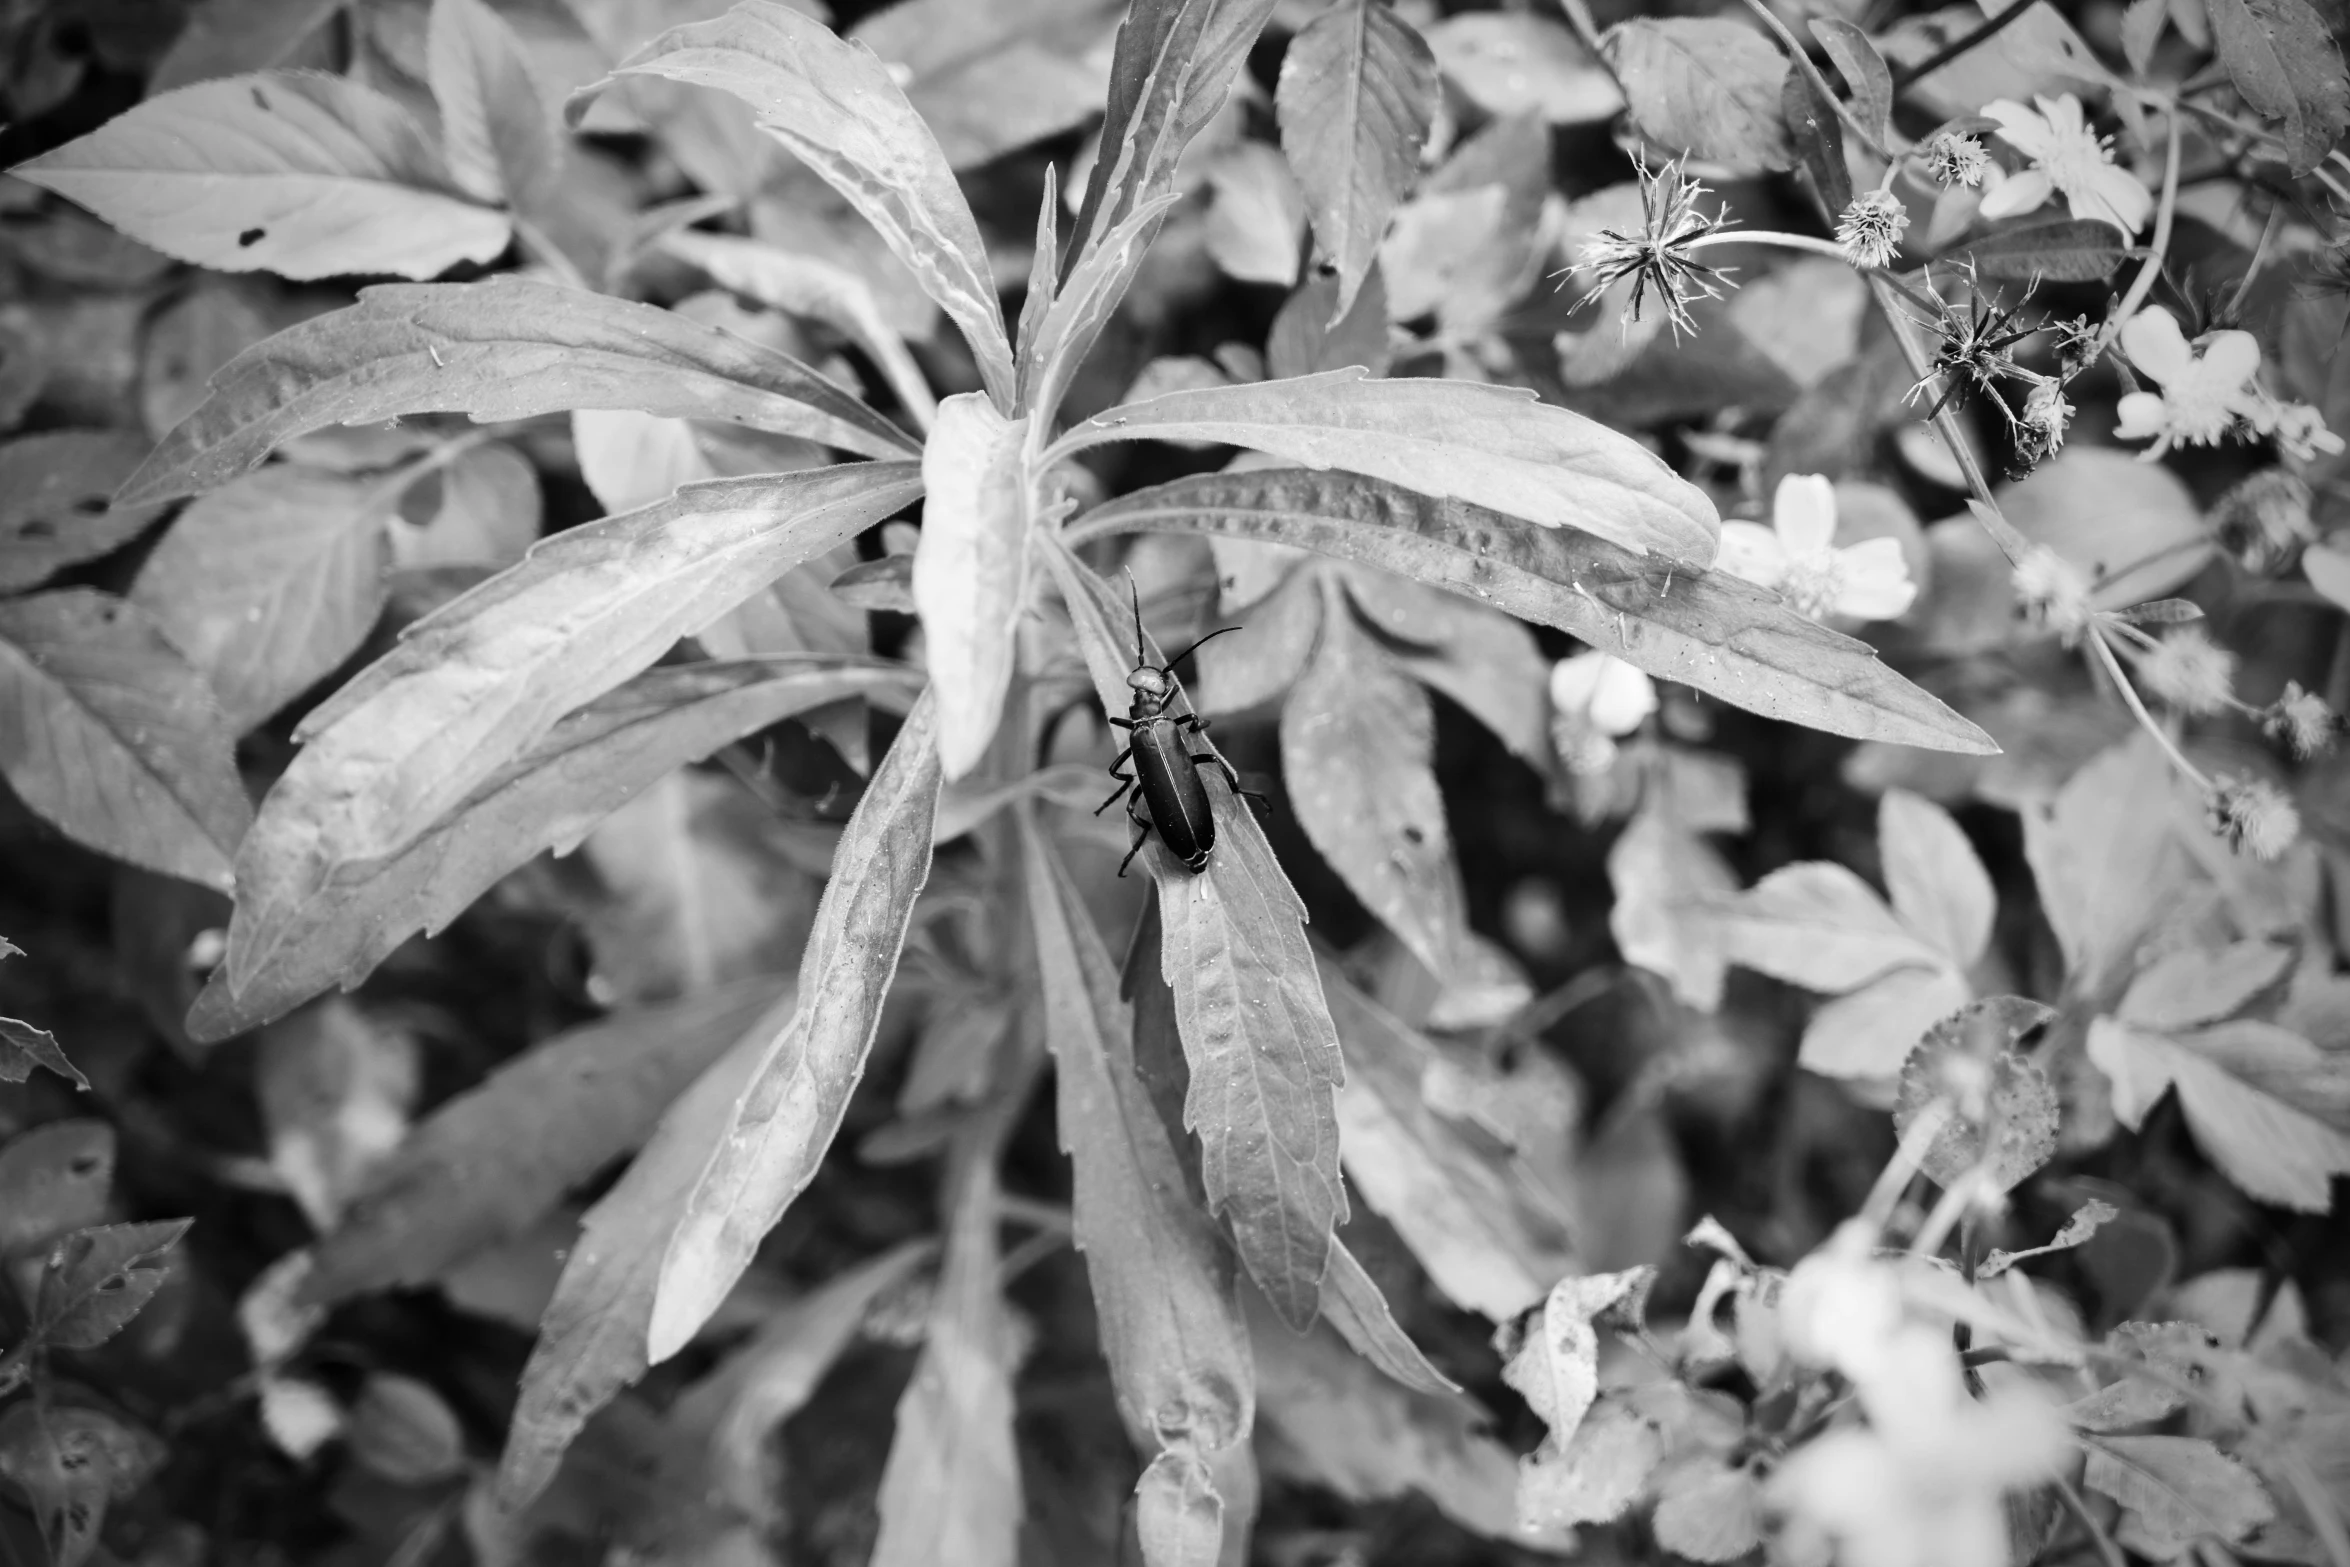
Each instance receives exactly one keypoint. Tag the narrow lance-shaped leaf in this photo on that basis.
(1358, 742)
(298, 173)
(950, 1491)
(786, 1117)
(1705, 629)
(1172, 66)
(478, 682)
(1492, 446)
(1256, 1031)
(108, 732)
(548, 798)
(495, 125)
(1357, 93)
(1162, 1279)
(1066, 330)
(510, 349)
(591, 1341)
(971, 569)
(839, 111)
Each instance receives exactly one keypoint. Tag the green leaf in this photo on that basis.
(988, 79)
(2284, 60)
(475, 684)
(1817, 134)
(1163, 1285)
(53, 1178)
(2106, 858)
(70, 1463)
(510, 349)
(1706, 629)
(491, 1162)
(548, 798)
(95, 1281)
(2205, 985)
(226, 37)
(1866, 1032)
(1998, 1108)
(1453, 1203)
(23, 1047)
(1864, 70)
(1352, 1304)
(1491, 446)
(1939, 886)
(1708, 1511)
(2068, 250)
(271, 581)
(950, 1491)
(57, 501)
(1172, 66)
(2177, 1490)
(296, 173)
(1178, 1517)
(1670, 884)
(1818, 925)
(1356, 96)
(1358, 742)
(1707, 87)
(1515, 62)
(2087, 1220)
(2256, 1096)
(1263, 1054)
(1487, 662)
(838, 110)
(591, 1343)
(777, 1131)
(971, 569)
(1070, 323)
(117, 739)
(496, 127)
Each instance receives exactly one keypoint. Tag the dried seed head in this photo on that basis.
(2303, 720)
(1956, 160)
(2189, 671)
(1658, 257)
(2253, 815)
(2263, 521)
(1869, 232)
(2054, 592)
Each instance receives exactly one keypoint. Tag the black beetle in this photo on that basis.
(1165, 766)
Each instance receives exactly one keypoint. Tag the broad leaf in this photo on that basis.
(1706, 629)
(56, 501)
(95, 1281)
(1517, 62)
(1670, 884)
(2270, 1108)
(70, 1463)
(2068, 250)
(2282, 56)
(1817, 134)
(229, 37)
(1490, 446)
(971, 569)
(1173, 65)
(1358, 743)
(271, 581)
(300, 174)
(1263, 1054)
(547, 798)
(489, 1163)
(1939, 886)
(1708, 87)
(592, 1341)
(496, 127)
(1818, 925)
(836, 107)
(1453, 1203)
(950, 1491)
(54, 1177)
(1352, 1304)
(1864, 70)
(2177, 1491)
(2203, 985)
(509, 349)
(2106, 858)
(115, 738)
(1998, 1112)
(1357, 93)
(1256, 221)
(477, 683)
(1163, 1286)
(23, 1047)
(990, 78)
(777, 1131)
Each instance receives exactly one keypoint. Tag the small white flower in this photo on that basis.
(2203, 394)
(1956, 160)
(1797, 555)
(2069, 159)
(1604, 691)
(1869, 232)
(2298, 429)
(2053, 593)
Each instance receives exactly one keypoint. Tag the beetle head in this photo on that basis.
(1151, 684)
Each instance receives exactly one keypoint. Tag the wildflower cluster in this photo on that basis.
(1658, 257)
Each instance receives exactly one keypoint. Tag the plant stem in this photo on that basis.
(2106, 1549)
(1946, 422)
(1801, 60)
(2137, 707)
(1950, 51)
(1784, 241)
(2151, 268)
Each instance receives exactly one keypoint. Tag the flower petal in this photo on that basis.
(2230, 358)
(2140, 415)
(2021, 128)
(2116, 198)
(1874, 581)
(1624, 699)
(1752, 551)
(2156, 347)
(1803, 512)
(2017, 193)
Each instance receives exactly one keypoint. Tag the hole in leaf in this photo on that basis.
(37, 528)
(91, 505)
(1415, 835)
(251, 237)
(259, 101)
(87, 1165)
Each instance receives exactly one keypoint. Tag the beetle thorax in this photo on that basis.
(1152, 687)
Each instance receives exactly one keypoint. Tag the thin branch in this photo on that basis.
(1801, 59)
(1950, 51)
(2137, 707)
(2151, 268)
(2109, 1552)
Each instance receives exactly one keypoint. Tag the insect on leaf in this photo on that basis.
(1705, 629)
(777, 1131)
(120, 741)
(476, 684)
(1491, 446)
(548, 798)
(971, 569)
(509, 349)
(296, 173)
(838, 110)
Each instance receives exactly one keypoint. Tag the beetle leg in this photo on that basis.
(1142, 833)
(1115, 798)
(1192, 721)
(1121, 723)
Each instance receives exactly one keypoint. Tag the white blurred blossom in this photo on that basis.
(2203, 394)
(2068, 159)
(1797, 556)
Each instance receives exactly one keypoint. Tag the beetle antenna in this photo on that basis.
(1196, 646)
(1136, 589)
